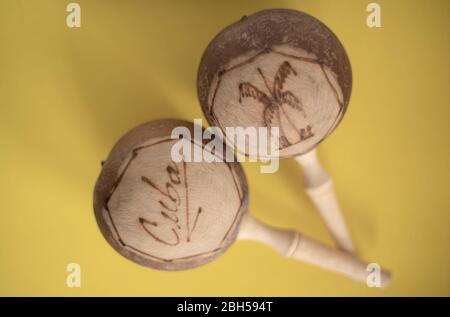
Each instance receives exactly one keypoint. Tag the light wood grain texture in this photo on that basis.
(276, 68)
(320, 189)
(285, 69)
(164, 214)
(174, 216)
(297, 246)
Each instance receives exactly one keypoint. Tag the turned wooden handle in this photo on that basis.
(320, 189)
(300, 247)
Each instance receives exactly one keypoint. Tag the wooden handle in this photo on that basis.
(319, 187)
(295, 245)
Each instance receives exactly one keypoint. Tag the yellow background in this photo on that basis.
(66, 96)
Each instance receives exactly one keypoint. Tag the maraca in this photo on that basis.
(282, 68)
(177, 215)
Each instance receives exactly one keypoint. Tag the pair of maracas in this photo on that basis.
(276, 68)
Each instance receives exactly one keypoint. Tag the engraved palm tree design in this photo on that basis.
(273, 103)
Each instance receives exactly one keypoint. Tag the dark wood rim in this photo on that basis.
(107, 179)
(266, 29)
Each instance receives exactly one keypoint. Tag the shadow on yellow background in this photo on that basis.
(68, 94)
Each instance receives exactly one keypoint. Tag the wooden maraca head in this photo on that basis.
(163, 214)
(276, 68)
